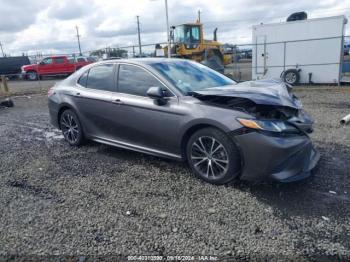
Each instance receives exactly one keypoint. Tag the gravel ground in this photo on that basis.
(100, 200)
(19, 87)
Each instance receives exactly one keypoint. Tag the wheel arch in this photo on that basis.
(63, 108)
(32, 70)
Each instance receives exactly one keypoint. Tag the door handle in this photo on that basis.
(117, 101)
(77, 94)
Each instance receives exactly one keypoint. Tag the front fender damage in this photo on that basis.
(268, 100)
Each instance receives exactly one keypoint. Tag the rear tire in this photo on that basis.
(213, 156)
(291, 76)
(71, 128)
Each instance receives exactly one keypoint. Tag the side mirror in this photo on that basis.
(157, 94)
(41, 63)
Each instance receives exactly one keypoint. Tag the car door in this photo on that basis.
(45, 67)
(92, 98)
(81, 61)
(59, 65)
(138, 119)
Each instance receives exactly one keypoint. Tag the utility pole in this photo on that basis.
(78, 36)
(167, 28)
(199, 16)
(2, 51)
(138, 32)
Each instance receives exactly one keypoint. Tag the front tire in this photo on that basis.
(213, 156)
(71, 128)
(32, 75)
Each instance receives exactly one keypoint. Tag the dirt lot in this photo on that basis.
(100, 200)
(30, 87)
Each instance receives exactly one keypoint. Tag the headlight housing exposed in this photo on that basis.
(268, 125)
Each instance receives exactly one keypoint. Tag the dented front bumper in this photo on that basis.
(284, 159)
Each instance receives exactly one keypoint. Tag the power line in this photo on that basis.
(210, 23)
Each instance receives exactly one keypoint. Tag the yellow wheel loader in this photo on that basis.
(187, 41)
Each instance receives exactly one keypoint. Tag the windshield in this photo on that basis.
(187, 34)
(190, 76)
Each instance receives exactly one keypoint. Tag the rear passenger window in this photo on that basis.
(135, 81)
(71, 60)
(101, 77)
(59, 60)
(83, 79)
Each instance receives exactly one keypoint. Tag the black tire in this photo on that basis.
(32, 75)
(223, 151)
(71, 128)
(291, 76)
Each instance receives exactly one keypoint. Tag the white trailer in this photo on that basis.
(311, 49)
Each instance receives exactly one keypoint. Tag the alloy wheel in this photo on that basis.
(70, 128)
(209, 157)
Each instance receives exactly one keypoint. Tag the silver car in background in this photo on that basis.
(183, 110)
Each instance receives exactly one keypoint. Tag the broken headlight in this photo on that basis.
(268, 125)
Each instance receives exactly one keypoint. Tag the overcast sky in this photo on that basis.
(49, 26)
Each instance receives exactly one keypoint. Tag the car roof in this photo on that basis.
(144, 61)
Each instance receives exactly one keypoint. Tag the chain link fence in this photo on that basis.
(243, 66)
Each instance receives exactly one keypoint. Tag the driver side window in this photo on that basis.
(134, 80)
(47, 61)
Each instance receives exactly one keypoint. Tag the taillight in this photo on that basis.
(50, 92)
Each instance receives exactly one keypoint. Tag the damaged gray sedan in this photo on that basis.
(184, 110)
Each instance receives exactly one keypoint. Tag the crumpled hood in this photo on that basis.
(262, 92)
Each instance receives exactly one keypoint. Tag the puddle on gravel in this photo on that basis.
(40, 134)
(53, 135)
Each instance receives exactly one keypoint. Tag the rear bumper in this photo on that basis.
(283, 159)
(53, 112)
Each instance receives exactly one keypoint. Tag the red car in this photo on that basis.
(54, 66)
